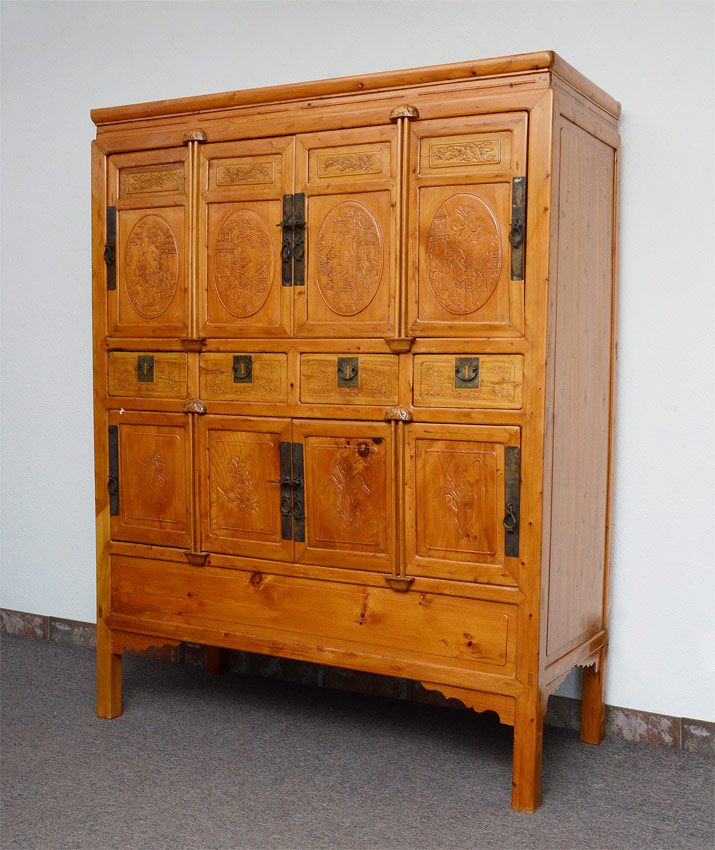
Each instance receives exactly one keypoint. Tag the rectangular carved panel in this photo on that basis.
(160, 179)
(169, 378)
(245, 171)
(455, 502)
(459, 633)
(376, 380)
(348, 162)
(269, 378)
(241, 471)
(466, 154)
(153, 181)
(499, 384)
(154, 469)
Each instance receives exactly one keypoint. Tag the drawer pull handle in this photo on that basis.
(510, 520)
(363, 449)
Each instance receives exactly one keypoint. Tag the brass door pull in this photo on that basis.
(510, 521)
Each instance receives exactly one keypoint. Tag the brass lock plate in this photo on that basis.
(466, 372)
(348, 369)
(242, 368)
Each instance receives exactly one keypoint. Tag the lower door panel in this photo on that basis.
(348, 499)
(462, 502)
(241, 492)
(153, 469)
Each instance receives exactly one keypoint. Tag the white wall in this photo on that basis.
(61, 59)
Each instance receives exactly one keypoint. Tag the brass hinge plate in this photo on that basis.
(517, 234)
(110, 248)
(512, 476)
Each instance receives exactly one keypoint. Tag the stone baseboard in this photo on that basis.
(680, 733)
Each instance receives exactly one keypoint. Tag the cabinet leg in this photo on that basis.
(109, 675)
(593, 708)
(216, 661)
(528, 738)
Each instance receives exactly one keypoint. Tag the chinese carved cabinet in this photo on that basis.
(354, 361)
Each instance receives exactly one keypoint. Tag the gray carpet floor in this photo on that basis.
(202, 762)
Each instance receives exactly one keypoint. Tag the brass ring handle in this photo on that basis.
(510, 520)
(462, 373)
(346, 371)
(516, 234)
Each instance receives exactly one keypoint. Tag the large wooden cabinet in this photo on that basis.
(354, 356)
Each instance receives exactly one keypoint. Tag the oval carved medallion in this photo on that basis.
(151, 263)
(464, 254)
(350, 258)
(243, 263)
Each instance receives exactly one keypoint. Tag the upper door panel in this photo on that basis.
(467, 276)
(240, 210)
(147, 291)
(349, 178)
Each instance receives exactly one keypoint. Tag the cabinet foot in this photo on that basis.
(593, 707)
(528, 737)
(216, 660)
(109, 675)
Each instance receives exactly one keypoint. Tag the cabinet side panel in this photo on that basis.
(582, 375)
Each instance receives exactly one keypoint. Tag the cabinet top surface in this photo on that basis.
(504, 66)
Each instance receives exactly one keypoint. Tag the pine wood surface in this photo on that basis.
(302, 468)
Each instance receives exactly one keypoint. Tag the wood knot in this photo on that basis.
(256, 580)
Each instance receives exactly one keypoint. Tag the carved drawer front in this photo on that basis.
(258, 377)
(145, 244)
(348, 379)
(467, 250)
(147, 374)
(348, 496)
(422, 628)
(239, 260)
(244, 503)
(349, 181)
(469, 381)
(152, 466)
(462, 502)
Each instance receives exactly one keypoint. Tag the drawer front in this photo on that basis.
(348, 379)
(485, 380)
(451, 631)
(147, 374)
(260, 377)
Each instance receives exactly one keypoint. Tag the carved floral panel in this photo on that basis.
(243, 263)
(464, 253)
(350, 258)
(151, 266)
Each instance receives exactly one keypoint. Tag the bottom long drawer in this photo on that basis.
(454, 632)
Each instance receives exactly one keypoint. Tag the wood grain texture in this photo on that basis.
(582, 371)
(475, 69)
(461, 633)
